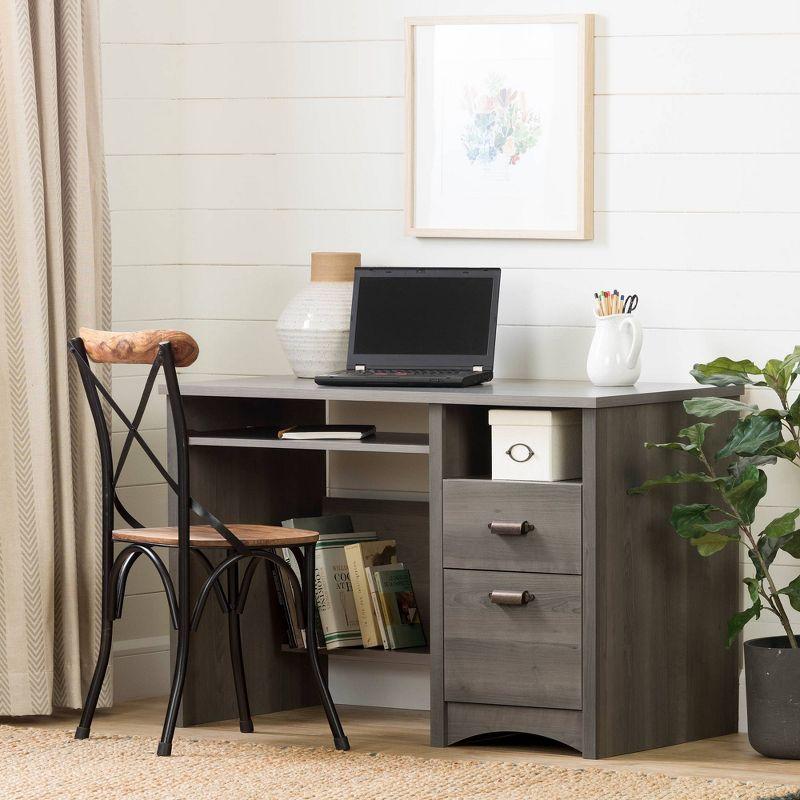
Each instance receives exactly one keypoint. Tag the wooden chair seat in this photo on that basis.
(206, 536)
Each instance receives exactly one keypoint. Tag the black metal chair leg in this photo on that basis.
(339, 738)
(176, 692)
(235, 642)
(92, 696)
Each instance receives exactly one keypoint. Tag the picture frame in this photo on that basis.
(499, 127)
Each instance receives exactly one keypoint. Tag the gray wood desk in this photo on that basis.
(622, 648)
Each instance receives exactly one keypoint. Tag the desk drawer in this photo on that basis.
(553, 509)
(519, 655)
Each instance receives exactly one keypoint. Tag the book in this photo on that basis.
(327, 432)
(280, 592)
(398, 607)
(359, 557)
(330, 523)
(370, 573)
(333, 590)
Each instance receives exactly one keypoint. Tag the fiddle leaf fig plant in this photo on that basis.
(755, 439)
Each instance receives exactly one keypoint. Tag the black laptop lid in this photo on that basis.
(423, 317)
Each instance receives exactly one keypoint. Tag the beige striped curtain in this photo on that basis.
(55, 257)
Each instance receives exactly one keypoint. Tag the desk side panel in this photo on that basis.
(656, 669)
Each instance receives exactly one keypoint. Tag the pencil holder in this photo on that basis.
(614, 354)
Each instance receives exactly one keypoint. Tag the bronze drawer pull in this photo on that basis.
(510, 528)
(505, 597)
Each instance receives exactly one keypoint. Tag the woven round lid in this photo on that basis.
(334, 266)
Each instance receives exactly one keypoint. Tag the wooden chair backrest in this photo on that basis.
(138, 347)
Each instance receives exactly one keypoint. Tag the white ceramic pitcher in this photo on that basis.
(614, 354)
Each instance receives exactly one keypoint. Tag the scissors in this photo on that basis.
(631, 301)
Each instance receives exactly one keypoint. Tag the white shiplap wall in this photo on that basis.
(241, 136)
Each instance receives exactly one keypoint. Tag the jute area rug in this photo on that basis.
(45, 764)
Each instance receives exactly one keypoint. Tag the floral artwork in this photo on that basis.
(500, 123)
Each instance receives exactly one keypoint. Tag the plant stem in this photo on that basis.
(774, 598)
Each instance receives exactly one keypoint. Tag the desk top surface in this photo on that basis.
(520, 393)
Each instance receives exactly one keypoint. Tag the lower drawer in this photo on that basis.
(519, 655)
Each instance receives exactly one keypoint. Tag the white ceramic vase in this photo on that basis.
(614, 354)
(314, 328)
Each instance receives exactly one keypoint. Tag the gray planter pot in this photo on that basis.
(772, 676)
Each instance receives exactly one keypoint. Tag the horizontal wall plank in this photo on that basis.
(236, 347)
(529, 296)
(697, 124)
(371, 181)
(247, 293)
(150, 292)
(698, 64)
(324, 69)
(731, 183)
(344, 125)
(624, 65)
(623, 124)
(144, 616)
(276, 20)
(622, 241)
(691, 183)
(522, 351)
(148, 504)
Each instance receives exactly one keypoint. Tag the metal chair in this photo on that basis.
(165, 350)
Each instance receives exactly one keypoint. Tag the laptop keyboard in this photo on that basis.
(422, 372)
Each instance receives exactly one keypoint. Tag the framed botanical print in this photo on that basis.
(499, 127)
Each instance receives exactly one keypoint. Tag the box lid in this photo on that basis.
(513, 416)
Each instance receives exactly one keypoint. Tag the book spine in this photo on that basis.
(376, 609)
(383, 602)
(337, 612)
(287, 620)
(361, 595)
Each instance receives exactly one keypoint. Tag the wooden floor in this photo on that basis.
(394, 731)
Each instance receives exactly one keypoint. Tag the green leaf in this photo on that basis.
(685, 518)
(712, 542)
(750, 435)
(740, 465)
(752, 588)
(792, 591)
(787, 450)
(745, 492)
(794, 408)
(712, 406)
(782, 525)
(791, 544)
(767, 549)
(675, 478)
(692, 521)
(725, 372)
(779, 374)
(696, 434)
(738, 621)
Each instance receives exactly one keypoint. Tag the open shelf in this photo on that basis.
(380, 443)
(408, 655)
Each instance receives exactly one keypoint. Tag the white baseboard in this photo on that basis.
(141, 668)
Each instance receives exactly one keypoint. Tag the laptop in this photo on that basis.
(415, 326)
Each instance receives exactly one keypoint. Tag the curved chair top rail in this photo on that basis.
(138, 347)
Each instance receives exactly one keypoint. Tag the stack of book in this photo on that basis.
(364, 595)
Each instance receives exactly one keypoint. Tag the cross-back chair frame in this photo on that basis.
(185, 616)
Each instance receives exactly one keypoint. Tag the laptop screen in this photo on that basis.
(418, 317)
